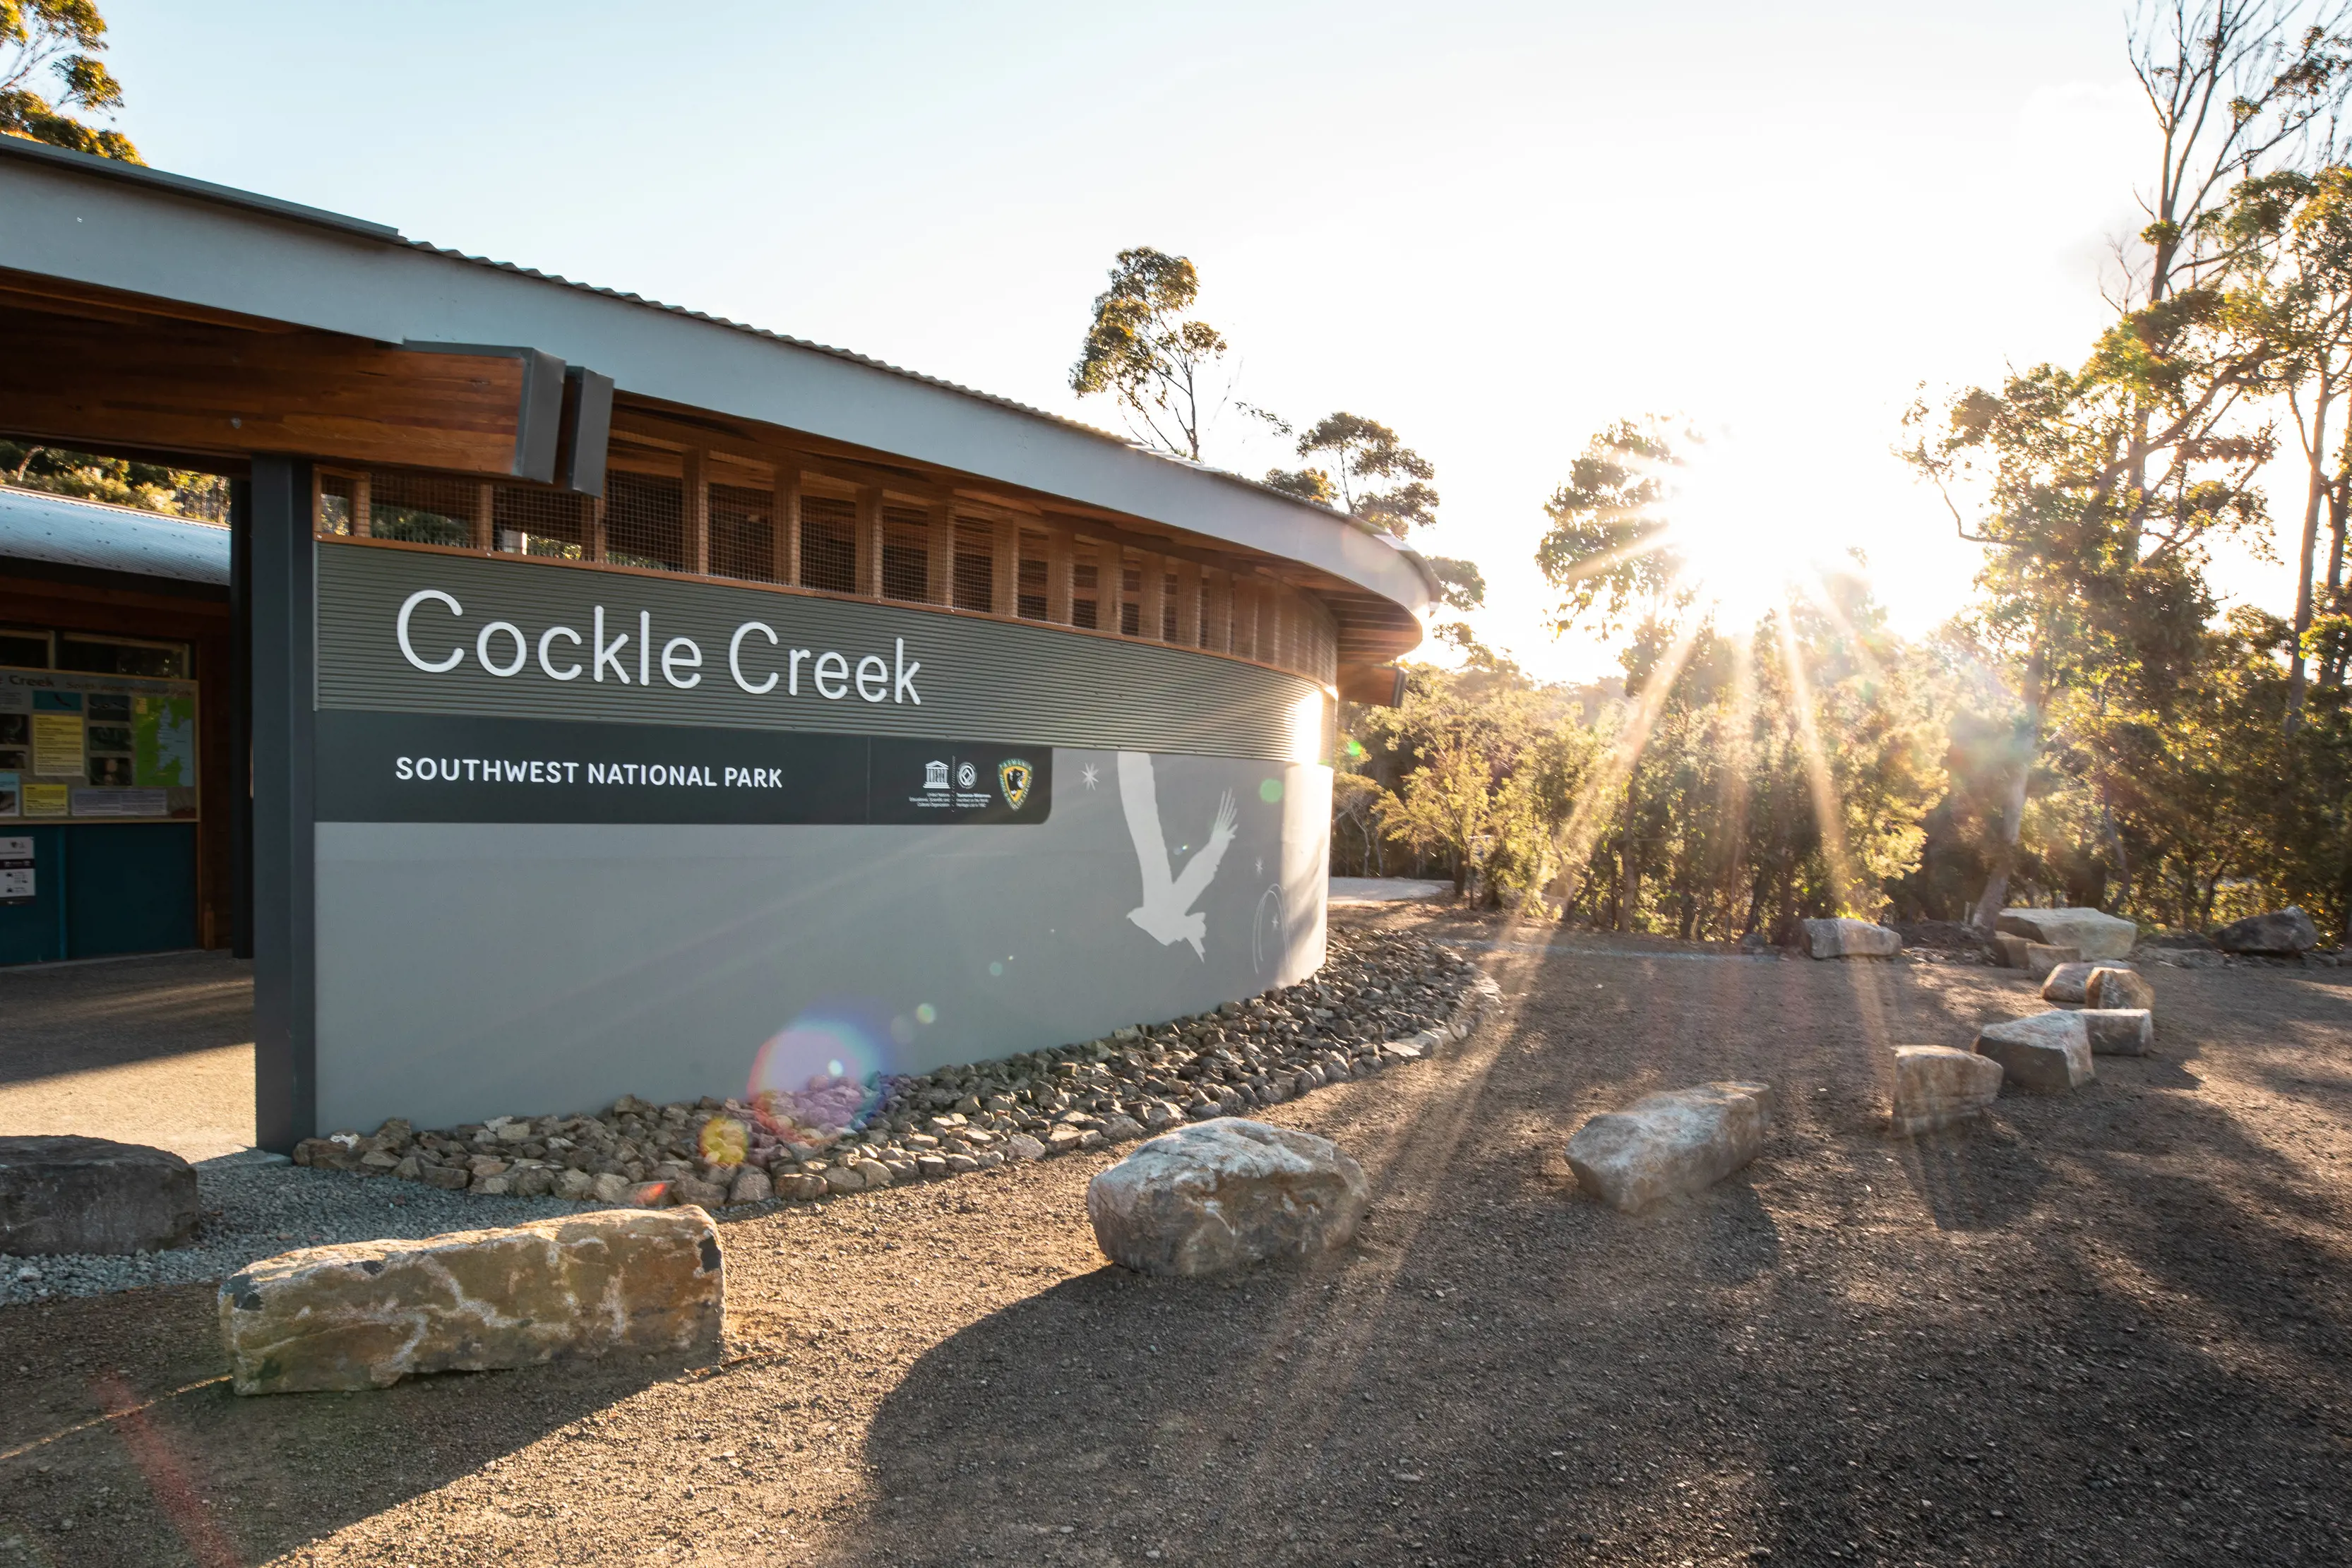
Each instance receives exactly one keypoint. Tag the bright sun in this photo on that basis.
(1746, 547)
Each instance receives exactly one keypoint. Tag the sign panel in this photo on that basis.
(16, 871)
(415, 631)
(437, 767)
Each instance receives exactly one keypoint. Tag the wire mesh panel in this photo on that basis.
(1167, 605)
(1085, 588)
(335, 515)
(645, 520)
(975, 566)
(742, 533)
(539, 522)
(1131, 613)
(1030, 600)
(1216, 602)
(829, 543)
(906, 554)
(423, 509)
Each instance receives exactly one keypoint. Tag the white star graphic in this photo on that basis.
(1090, 774)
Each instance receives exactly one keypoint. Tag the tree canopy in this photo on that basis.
(58, 41)
(1146, 348)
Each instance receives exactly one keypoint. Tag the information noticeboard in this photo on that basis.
(91, 749)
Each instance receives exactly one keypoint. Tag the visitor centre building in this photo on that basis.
(591, 698)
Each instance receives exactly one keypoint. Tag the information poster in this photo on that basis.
(96, 747)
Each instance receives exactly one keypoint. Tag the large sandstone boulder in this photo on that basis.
(1223, 1194)
(2118, 987)
(2049, 1053)
(2282, 932)
(1935, 1085)
(2036, 958)
(1683, 1141)
(2091, 932)
(2065, 982)
(2119, 1031)
(1848, 938)
(61, 1195)
(367, 1314)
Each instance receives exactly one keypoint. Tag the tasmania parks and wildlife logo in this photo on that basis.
(1015, 776)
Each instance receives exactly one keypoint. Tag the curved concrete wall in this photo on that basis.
(778, 883)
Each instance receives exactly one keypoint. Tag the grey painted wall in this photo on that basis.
(466, 971)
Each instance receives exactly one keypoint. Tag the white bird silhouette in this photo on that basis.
(1167, 911)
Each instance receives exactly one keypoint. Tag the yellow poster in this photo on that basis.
(56, 745)
(46, 800)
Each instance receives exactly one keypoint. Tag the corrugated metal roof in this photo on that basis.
(64, 531)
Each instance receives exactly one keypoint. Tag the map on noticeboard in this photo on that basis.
(96, 747)
(163, 739)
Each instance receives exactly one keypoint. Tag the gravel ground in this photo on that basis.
(158, 1050)
(1374, 988)
(259, 1206)
(2111, 1328)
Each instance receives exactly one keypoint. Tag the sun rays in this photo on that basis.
(1740, 561)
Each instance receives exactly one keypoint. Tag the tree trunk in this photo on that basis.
(1629, 862)
(2314, 490)
(2339, 492)
(2012, 817)
(2116, 848)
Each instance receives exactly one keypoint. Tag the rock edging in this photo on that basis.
(838, 1137)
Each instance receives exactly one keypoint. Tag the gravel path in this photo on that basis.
(152, 1050)
(2107, 1328)
(258, 1206)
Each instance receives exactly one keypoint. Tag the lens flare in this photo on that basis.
(820, 1076)
(725, 1141)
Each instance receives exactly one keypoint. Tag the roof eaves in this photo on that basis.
(227, 195)
(853, 356)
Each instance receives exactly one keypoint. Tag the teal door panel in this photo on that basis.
(101, 889)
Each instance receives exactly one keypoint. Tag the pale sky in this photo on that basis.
(1495, 228)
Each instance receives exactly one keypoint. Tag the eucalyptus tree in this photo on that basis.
(1146, 348)
(43, 41)
(1606, 551)
(2098, 489)
(2291, 235)
(1364, 454)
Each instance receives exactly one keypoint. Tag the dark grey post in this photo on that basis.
(283, 607)
(240, 804)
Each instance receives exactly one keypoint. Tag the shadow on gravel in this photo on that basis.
(1964, 1190)
(120, 1442)
(2071, 1356)
(76, 1018)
